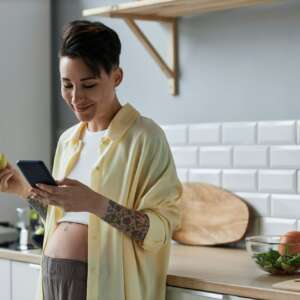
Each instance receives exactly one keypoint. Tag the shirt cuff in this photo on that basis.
(157, 234)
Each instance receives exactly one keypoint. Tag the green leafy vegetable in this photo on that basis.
(275, 263)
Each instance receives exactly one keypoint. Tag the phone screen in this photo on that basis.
(35, 171)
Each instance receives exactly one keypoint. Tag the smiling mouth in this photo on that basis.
(82, 108)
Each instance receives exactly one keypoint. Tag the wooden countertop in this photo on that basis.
(223, 270)
(28, 256)
(212, 269)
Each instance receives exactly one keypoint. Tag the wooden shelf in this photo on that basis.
(166, 11)
(157, 9)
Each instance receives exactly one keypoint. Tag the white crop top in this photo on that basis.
(81, 171)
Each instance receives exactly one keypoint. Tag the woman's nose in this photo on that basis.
(77, 96)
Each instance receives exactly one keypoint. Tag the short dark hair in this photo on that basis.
(96, 44)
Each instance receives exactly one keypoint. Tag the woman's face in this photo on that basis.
(89, 97)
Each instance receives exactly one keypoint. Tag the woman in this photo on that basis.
(110, 220)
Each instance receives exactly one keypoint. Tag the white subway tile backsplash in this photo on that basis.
(285, 157)
(239, 133)
(298, 181)
(250, 157)
(240, 180)
(205, 134)
(277, 181)
(182, 175)
(276, 226)
(205, 175)
(281, 132)
(176, 134)
(298, 132)
(260, 203)
(185, 157)
(285, 206)
(211, 157)
(259, 161)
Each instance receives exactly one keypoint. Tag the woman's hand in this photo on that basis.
(12, 181)
(70, 194)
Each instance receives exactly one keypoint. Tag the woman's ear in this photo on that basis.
(118, 76)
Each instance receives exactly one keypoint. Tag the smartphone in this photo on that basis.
(35, 171)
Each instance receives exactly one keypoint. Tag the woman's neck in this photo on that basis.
(103, 122)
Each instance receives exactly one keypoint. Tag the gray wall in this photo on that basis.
(235, 65)
(25, 111)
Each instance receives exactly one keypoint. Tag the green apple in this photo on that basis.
(3, 161)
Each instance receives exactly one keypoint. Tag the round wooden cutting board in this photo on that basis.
(211, 216)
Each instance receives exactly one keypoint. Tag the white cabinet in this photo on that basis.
(24, 278)
(18, 280)
(174, 293)
(5, 279)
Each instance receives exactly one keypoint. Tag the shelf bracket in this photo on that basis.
(169, 70)
(168, 12)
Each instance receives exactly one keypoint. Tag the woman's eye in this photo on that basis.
(84, 86)
(89, 86)
(67, 86)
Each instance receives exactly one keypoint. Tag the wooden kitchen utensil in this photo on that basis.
(211, 216)
(290, 285)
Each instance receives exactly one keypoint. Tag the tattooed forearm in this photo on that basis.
(134, 223)
(39, 207)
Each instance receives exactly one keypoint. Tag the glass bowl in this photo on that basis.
(272, 256)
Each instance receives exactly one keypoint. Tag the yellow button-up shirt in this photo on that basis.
(135, 169)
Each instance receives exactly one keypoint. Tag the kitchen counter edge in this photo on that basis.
(188, 269)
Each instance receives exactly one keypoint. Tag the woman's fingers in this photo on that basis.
(39, 198)
(67, 181)
(40, 193)
(4, 173)
(44, 197)
(4, 181)
(51, 189)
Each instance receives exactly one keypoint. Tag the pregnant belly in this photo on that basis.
(69, 240)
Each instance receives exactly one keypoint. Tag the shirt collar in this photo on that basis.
(120, 123)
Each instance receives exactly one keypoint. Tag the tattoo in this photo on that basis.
(133, 223)
(66, 227)
(39, 207)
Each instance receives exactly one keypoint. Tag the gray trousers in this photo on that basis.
(64, 279)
